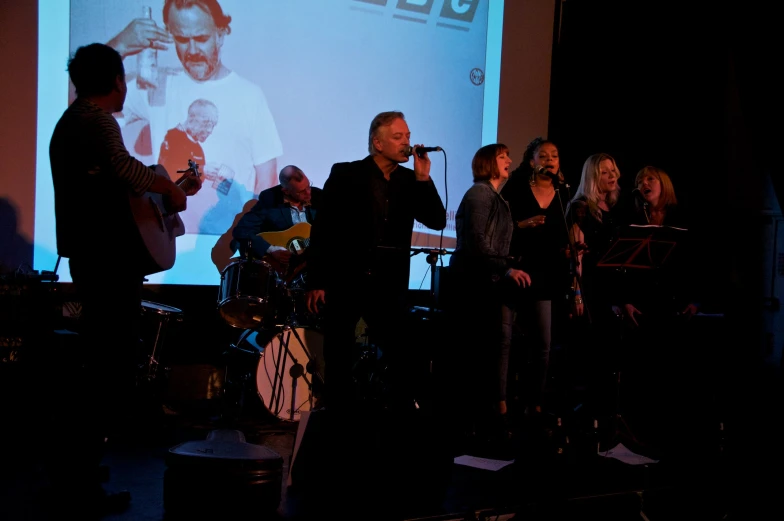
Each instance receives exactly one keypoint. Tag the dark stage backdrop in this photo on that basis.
(694, 89)
(689, 90)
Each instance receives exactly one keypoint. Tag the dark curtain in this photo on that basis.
(692, 89)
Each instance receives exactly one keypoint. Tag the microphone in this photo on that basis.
(544, 171)
(641, 200)
(637, 193)
(420, 151)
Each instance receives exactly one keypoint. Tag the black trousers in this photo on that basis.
(355, 373)
(470, 372)
(101, 393)
(369, 429)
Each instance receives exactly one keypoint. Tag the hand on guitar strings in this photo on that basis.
(191, 179)
(176, 200)
(281, 257)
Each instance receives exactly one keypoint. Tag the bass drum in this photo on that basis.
(290, 371)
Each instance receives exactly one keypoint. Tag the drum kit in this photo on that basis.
(279, 354)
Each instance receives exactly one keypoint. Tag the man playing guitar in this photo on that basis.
(288, 208)
(98, 186)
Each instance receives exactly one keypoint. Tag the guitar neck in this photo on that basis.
(189, 177)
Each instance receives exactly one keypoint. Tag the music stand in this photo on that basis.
(640, 249)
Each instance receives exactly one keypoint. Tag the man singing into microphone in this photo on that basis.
(370, 204)
(358, 261)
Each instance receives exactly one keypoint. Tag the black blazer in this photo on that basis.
(374, 233)
(269, 214)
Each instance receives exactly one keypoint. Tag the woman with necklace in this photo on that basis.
(539, 242)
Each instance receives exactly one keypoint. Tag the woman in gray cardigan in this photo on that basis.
(483, 277)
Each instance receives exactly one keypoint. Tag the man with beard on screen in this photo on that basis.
(243, 148)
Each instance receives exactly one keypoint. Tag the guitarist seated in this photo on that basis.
(288, 208)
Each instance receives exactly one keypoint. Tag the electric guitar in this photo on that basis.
(296, 240)
(159, 227)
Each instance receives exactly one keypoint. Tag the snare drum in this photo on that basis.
(247, 293)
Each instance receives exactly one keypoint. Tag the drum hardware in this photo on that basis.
(287, 371)
(163, 314)
(286, 350)
(281, 365)
(281, 339)
(370, 371)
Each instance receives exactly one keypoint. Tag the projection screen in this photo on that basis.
(308, 77)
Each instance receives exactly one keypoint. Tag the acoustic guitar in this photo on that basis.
(294, 239)
(158, 227)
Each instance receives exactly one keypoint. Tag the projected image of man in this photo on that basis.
(184, 140)
(243, 149)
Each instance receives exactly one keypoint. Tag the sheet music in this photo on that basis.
(482, 463)
(622, 453)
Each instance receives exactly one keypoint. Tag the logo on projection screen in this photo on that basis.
(477, 76)
(460, 10)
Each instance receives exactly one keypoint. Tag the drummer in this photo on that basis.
(279, 208)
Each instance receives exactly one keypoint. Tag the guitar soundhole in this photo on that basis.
(297, 245)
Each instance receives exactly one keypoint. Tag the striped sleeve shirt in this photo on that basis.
(93, 174)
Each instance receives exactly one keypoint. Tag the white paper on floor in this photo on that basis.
(621, 453)
(482, 463)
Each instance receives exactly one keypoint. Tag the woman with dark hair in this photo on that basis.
(539, 243)
(481, 269)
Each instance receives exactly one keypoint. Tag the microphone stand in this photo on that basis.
(433, 256)
(574, 264)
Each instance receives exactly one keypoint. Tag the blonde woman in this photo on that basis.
(594, 225)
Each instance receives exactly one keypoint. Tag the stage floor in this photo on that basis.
(400, 470)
